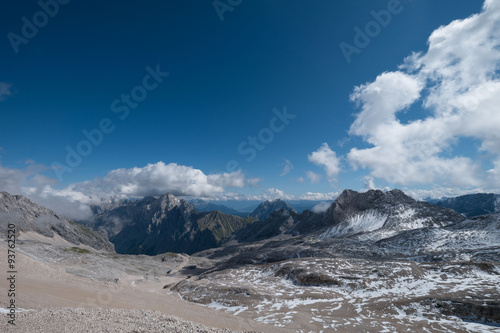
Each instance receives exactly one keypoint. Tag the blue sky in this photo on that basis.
(225, 79)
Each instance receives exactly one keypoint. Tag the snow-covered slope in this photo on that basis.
(472, 239)
(369, 220)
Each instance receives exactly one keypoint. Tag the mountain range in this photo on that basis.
(379, 257)
(386, 222)
(165, 224)
(205, 206)
(473, 204)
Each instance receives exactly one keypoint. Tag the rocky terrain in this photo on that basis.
(90, 291)
(373, 261)
(355, 295)
(277, 223)
(105, 320)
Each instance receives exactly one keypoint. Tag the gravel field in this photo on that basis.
(77, 320)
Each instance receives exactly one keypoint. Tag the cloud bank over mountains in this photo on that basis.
(153, 179)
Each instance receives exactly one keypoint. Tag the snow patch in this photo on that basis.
(370, 220)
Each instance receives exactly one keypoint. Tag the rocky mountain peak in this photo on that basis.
(265, 209)
(350, 200)
(13, 203)
(357, 212)
(165, 203)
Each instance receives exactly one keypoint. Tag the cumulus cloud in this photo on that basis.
(74, 200)
(456, 81)
(369, 183)
(381, 99)
(20, 181)
(274, 193)
(313, 177)
(30, 182)
(322, 207)
(5, 90)
(159, 178)
(443, 192)
(315, 196)
(153, 179)
(287, 168)
(254, 182)
(327, 159)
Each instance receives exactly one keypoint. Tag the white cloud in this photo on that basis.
(381, 99)
(300, 180)
(326, 158)
(157, 179)
(369, 183)
(274, 193)
(318, 196)
(30, 182)
(321, 207)
(254, 182)
(441, 192)
(456, 81)
(287, 168)
(5, 90)
(160, 178)
(153, 179)
(18, 181)
(313, 177)
(74, 201)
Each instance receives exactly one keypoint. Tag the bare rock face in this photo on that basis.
(28, 216)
